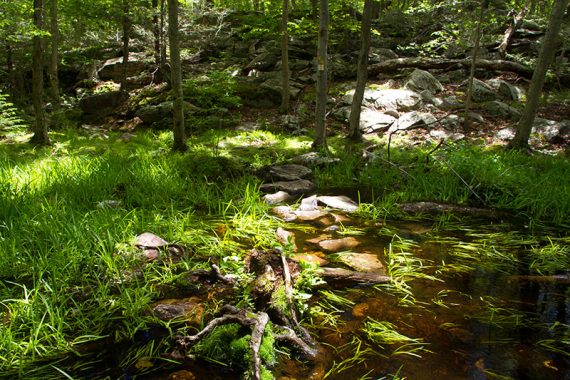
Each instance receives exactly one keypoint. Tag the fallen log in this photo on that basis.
(345, 275)
(510, 32)
(438, 208)
(392, 65)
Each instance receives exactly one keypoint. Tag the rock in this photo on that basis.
(290, 122)
(103, 104)
(284, 212)
(362, 262)
(335, 245)
(481, 91)
(476, 118)
(373, 121)
(340, 202)
(420, 80)
(149, 240)
(155, 113)
(451, 122)
(360, 310)
(507, 90)
(313, 258)
(451, 102)
(314, 159)
(378, 55)
(506, 133)
(446, 135)
(286, 238)
(551, 130)
(112, 69)
(275, 87)
(276, 198)
(387, 99)
(300, 186)
(288, 172)
(253, 95)
(499, 109)
(182, 375)
(188, 309)
(309, 216)
(309, 204)
(429, 98)
(264, 61)
(414, 119)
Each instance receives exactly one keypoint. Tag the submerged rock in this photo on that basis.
(362, 262)
(335, 245)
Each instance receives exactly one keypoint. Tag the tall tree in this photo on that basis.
(482, 6)
(319, 141)
(126, 38)
(520, 141)
(156, 30)
(176, 78)
(362, 71)
(40, 136)
(54, 57)
(285, 93)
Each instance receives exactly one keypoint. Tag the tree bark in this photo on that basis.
(520, 141)
(163, 37)
(510, 32)
(392, 65)
(475, 53)
(156, 31)
(40, 136)
(362, 72)
(126, 33)
(285, 94)
(319, 141)
(52, 68)
(176, 78)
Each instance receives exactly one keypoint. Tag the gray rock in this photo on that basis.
(264, 61)
(476, 118)
(451, 102)
(155, 113)
(339, 202)
(300, 186)
(374, 121)
(112, 69)
(396, 99)
(551, 130)
(101, 105)
(288, 172)
(481, 91)
(378, 55)
(506, 133)
(275, 86)
(415, 119)
(309, 204)
(446, 135)
(500, 109)
(314, 159)
(420, 80)
(507, 90)
(451, 121)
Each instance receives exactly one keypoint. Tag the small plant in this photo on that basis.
(212, 92)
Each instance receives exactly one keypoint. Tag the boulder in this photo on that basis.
(276, 198)
(373, 121)
(378, 55)
(314, 159)
(335, 245)
(507, 90)
(264, 61)
(499, 109)
(414, 119)
(388, 99)
(103, 104)
(112, 69)
(550, 130)
(482, 92)
(420, 80)
(275, 87)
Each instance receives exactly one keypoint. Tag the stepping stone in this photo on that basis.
(300, 186)
(340, 202)
(313, 258)
(335, 245)
(284, 212)
(309, 204)
(289, 172)
(362, 262)
(276, 198)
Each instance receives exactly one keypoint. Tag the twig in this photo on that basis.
(290, 336)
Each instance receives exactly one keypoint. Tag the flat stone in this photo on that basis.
(506, 133)
(289, 172)
(313, 258)
(309, 216)
(314, 159)
(286, 238)
(300, 186)
(362, 262)
(413, 120)
(309, 204)
(284, 212)
(276, 198)
(339, 202)
(373, 121)
(397, 99)
(335, 245)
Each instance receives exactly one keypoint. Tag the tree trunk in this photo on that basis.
(510, 32)
(473, 63)
(156, 31)
(285, 94)
(52, 68)
(163, 37)
(362, 71)
(547, 51)
(319, 141)
(40, 136)
(176, 78)
(126, 32)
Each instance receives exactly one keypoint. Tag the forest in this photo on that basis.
(284, 189)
